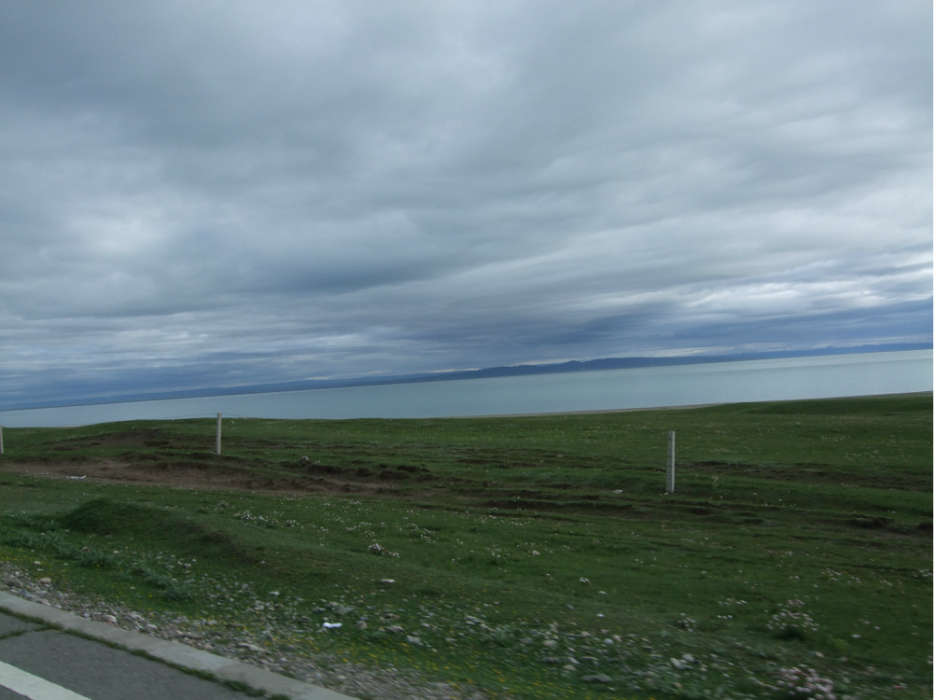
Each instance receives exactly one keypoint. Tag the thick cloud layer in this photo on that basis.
(223, 193)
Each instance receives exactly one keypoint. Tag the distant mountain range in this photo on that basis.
(508, 371)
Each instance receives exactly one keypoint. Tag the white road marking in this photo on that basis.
(33, 687)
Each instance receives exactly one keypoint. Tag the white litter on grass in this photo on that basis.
(77, 477)
(331, 625)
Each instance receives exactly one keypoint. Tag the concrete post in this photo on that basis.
(670, 471)
(217, 445)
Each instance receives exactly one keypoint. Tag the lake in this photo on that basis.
(681, 385)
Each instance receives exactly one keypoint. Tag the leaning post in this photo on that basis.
(217, 443)
(670, 471)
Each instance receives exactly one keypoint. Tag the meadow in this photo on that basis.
(523, 557)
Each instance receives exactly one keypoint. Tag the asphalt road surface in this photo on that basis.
(41, 663)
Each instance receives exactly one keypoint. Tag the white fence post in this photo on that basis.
(217, 444)
(670, 471)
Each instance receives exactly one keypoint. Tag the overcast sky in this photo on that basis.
(205, 194)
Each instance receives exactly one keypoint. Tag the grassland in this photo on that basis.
(532, 557)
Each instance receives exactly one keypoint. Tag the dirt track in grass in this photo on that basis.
(185, 474)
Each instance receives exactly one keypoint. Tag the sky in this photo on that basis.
(220, 194)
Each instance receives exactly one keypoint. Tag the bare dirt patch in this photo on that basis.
(183, 474)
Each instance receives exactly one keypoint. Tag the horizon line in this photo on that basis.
(568, 366)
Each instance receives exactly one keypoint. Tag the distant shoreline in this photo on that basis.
(687, 407)
(457, 375)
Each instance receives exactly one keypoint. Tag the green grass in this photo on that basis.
(513, 532)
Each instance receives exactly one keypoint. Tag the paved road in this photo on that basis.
(41, 660)
(89, 669)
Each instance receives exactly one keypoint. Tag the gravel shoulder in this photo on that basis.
(228, 639)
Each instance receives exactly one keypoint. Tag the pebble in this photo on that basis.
(394, 629)
(45, 581)
(361, 625)
(597, 678)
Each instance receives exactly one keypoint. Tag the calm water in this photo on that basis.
(725, 382)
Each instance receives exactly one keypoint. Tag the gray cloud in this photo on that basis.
(273, 191)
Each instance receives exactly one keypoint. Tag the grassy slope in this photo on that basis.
(496, 521)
